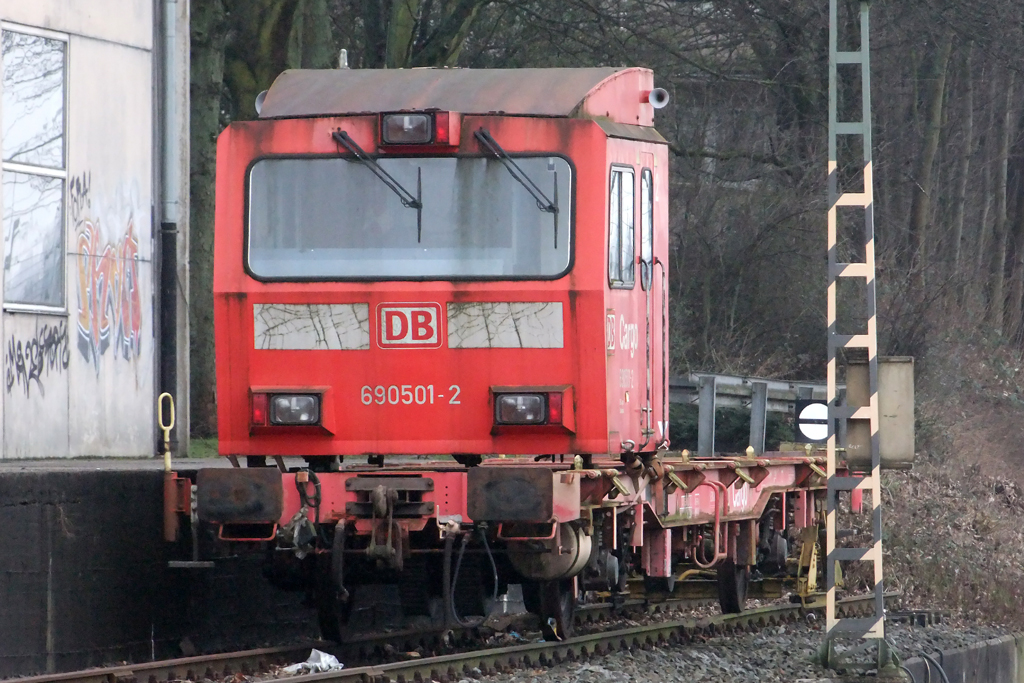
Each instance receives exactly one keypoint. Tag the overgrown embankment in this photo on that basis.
(954, 526)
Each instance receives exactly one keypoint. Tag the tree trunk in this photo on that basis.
(1014, 309)
(965, 165)
(989, 151)
(429, 34)
(401, 32)
(375, 36)
(209, 33)
(443, 45)
(1015, 238)
(997, 264)
(269, 36)
(922, 191)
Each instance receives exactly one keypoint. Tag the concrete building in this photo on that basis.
(94, 138)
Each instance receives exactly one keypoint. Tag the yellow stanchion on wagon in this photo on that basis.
(166, 428)
(171, 497)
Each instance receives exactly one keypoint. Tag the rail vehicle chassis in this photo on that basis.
(560, 527)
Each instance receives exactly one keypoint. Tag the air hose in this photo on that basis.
(490, 556)
(312, 501)
(451, 579)
(455, 583)
(446, 579)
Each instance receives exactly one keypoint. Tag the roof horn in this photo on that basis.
(658, 98)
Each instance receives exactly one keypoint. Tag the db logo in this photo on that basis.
(408, 326)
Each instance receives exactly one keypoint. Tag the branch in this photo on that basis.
(768, 160)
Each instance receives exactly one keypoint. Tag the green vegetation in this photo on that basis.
(203, 448)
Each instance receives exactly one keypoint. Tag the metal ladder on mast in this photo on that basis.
(868, 630)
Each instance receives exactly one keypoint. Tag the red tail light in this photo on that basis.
(259, 410)
(441, 132)
(555, 409)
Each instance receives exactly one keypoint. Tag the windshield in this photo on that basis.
(333, 218)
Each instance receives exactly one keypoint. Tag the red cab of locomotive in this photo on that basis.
(452, 292)
(470, 264)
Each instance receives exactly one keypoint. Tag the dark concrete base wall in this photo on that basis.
(84, 579)
(1000, 660)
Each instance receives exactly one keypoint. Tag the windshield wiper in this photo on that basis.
(543, 203)
(406, 197)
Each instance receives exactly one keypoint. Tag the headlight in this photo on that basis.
(521, 409)
(406, 129)
(294, 409)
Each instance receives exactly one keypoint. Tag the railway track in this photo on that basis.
(452, 667)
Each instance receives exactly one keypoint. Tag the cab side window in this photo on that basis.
(646, 228)
(621, 249)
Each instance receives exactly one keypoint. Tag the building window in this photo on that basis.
(620, 228)
(34, 166)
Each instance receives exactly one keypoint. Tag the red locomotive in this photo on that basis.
(467, 267)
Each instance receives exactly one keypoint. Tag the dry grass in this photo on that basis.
(954, 527)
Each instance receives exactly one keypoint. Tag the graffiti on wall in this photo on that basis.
(109, 304)
(28, 361)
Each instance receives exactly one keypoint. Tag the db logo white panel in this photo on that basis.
(409, 326)
(505, 325)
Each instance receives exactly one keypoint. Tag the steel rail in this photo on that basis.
(368, 647)
(449, 667)
(246, 662)
(362, 648)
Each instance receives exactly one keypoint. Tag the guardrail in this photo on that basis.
(710, 391)
(733, 391)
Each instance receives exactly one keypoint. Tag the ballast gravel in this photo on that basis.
(778, 654)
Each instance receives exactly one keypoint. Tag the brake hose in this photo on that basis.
(455, 580)
(312, 502)
(494, 567)
(446, 585)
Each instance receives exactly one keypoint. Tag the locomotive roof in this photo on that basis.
(609, 92)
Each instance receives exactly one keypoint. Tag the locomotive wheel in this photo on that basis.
(331, 612)
(556, 608)
(732, 587)
(332, 600)
(620, 592)
(531, 596)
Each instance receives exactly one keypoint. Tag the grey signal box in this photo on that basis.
(895, 413)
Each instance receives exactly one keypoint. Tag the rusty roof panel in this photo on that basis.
(525, 92)
(628, 132)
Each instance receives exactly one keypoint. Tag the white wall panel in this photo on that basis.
(37, 358)
(110, 271)
(129, 22)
